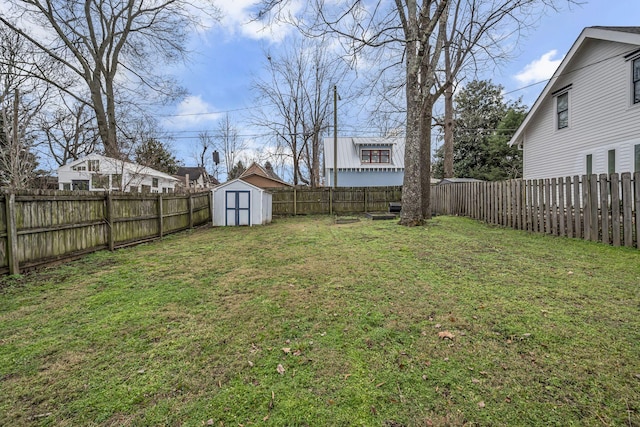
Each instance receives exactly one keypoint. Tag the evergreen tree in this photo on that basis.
(157, 155)
(484, 124)
(237, 170)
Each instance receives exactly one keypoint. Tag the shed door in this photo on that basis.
(238, 207)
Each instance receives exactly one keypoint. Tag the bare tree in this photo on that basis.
(21, 100)
(107, 47)
(229, 143)
(416, 32)
(69, 130)
(300, 93)
(204, 150)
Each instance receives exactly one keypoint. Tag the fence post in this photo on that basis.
(615, 209)
(110, 238)
(627, 209)
(12, 234)
(330, 200)
(604, 207)
(593, 198)
(295, 202)
(636, 179)
(577, 208)
(160, 215)
(365, 199)
(190, 204)
(211, 213)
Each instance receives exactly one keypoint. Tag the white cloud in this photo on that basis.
(193, 111)
(237, 18)
(539, 69)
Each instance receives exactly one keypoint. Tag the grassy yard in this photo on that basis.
(305, 322)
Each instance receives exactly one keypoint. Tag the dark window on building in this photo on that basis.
(154, 182)
(99, 181)
(589, 164)
(66, 186)
(375, 156)
(612, 161)
(636, 157)
(94, 165)
(80, 184)
(146, 189)
(636, 81)
(562, 102)
(116, 180)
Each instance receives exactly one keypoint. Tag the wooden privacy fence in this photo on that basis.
(604, 208)
(308, 201)
(40, 227)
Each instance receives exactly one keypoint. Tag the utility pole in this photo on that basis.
(335, 136)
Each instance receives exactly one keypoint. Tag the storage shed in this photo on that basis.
(239, 203)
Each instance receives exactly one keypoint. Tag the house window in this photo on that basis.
(80, 184)
(562, 103)
(636, 81)
(99, 181)
(636, 157)
(612, 161)
(375, 156)
(589, 164)
(116, 180)
(67, 186)
(146, 189)
(79, 168)
(94, 165)
(154, 182)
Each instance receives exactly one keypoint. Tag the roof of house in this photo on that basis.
(445, 181)
(132, 167)
(256, 169)
(194, 172)
(627, 35)
(348, 155)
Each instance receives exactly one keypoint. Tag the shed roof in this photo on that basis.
(445, 181)
(240, 181)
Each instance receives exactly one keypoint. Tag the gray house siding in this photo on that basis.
(367, 178)
(353, 172)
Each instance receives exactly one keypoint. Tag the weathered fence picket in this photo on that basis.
(604, 208)
(41, 227)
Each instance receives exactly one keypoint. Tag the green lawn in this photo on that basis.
(192, 330)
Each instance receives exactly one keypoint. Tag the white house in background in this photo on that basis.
(587, 118)
(100, 173)
(365, 162)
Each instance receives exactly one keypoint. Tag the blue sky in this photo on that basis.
(231, 54)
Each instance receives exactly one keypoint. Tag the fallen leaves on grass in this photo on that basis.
(481, 404)
(286, 350)
(446, 335)
(280, 369)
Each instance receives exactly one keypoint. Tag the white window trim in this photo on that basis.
(631, 83)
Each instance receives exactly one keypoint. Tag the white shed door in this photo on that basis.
(238, 207)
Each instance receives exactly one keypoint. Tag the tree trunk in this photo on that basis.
(411, 214)
(425, 155)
